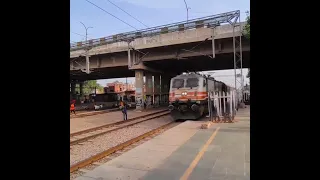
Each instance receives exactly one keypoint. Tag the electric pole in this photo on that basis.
(87, 48)
(126, 83)
(187, 10)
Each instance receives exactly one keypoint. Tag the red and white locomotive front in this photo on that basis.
(187, 93)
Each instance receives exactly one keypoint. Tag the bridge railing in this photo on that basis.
(208, 22)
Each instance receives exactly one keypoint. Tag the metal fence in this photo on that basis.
(222, 106)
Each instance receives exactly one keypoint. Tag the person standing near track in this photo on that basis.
(123, 107)
(72, 107)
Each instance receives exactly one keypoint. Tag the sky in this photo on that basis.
(149, 12)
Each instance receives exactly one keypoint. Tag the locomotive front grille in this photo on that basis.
(183, 107)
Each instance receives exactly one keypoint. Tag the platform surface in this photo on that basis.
(82, 123)
(186, 152)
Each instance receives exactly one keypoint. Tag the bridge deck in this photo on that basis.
(186, 152)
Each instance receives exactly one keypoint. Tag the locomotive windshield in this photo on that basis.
(192, 82)
(177, 83)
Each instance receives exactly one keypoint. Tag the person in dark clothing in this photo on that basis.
(214, 112)
(123, 107)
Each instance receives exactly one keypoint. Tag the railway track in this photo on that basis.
(85, 135)
(91, 113)
(100, 158)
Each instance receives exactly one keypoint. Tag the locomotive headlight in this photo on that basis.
(184, 93)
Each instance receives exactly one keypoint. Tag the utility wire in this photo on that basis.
(111, 14)
(78, 34)
(136, 20)
(127, 13)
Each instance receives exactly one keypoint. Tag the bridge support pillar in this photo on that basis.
(157, 90)
(81, 88)
(165, 84)
(149, 90)
(139, 94)
(73, 90)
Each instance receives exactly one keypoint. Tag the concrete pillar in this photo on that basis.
(157, 90)
(73, 90)
(149, 90)
(81, 88)
(139, 94)
(81, 98)
(165, 86)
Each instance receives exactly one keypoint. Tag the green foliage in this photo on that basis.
(247, 27)
(89, 86)
(247, 34)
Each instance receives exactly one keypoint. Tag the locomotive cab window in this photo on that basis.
(192, 82)
(204, 83)
(178, 83)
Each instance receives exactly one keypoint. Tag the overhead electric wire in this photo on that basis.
(127, 13)
(111, 14)
(136, 20)
(78, 34)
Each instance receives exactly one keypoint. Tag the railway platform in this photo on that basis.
(186, 152)
(82, 123)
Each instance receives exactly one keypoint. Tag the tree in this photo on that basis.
(247, 26)
(247, 33)
(89, 87)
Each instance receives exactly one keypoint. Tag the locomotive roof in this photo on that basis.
(188, 75)
(195, 75)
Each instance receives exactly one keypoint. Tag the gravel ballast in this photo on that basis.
(104, 142)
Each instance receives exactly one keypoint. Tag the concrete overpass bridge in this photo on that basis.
(168, 49)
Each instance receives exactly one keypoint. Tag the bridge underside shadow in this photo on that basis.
(196, 63)
(199, 63)
(102, 73)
